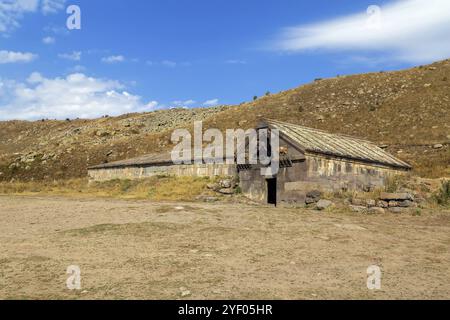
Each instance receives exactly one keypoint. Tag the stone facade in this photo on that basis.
(146, 171)
(309, 172)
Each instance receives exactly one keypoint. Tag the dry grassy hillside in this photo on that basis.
(409, 111)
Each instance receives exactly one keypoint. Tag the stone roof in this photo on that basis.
(308, 140)
(320, 142)
(149, 159)
(161, 159)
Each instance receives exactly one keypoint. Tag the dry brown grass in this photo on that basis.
(156, 188)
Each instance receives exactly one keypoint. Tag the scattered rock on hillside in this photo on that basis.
(383, 204)
(396, 196)
(313, 197)
(226, 183)
(227, 191)
(406, 204)
(323, 204)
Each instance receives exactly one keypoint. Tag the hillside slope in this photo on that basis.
(408, 111)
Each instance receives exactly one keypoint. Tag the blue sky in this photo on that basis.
(138, 55)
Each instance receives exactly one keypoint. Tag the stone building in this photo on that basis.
(154, 165)
(310, 159)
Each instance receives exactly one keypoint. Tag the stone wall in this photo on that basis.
(334, 174)
(315, 173)
(131, 173)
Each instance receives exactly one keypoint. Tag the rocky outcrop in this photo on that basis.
(324, 204)
(393, 202)
(224, 186)
(313, 197)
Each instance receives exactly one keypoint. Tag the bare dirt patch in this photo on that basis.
(147, 250)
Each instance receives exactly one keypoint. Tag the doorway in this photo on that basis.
(272, 191)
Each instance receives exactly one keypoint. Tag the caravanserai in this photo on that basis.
(310, 159)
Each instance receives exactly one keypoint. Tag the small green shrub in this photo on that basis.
(394, 183)
(443, 195)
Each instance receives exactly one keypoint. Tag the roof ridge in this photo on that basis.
(322, 131)
(320, 141)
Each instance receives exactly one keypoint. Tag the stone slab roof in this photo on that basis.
(320, 142)
(308, 140)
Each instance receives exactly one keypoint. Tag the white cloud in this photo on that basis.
(186, 103)
(76, 95)
(15, 57)
(210, 103)
(168, 63)
(49, 40)
(152, 105)
(34, 78)
(113, 59)
(12, 11)
(407, 30)
(74, 56)
(52, 6)
(77, 69)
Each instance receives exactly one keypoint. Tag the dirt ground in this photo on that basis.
(145, 250)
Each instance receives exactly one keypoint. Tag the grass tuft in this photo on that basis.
(160, 188)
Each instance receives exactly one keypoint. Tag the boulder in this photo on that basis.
(324, 204)
(226, 191)
(383, 204)
(315, 194)
(396, 196)
(226, 184)
(393, 204)
(406, 204)
(310, 201)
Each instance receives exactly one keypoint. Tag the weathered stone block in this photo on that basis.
(396, 196)
(383, 204)
(324, 204)
(359, 202)
(226, 191)
(315, 194)
(393, 204)
(406, 204)
(371, 203)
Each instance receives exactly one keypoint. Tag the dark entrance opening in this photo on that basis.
(272, 191)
